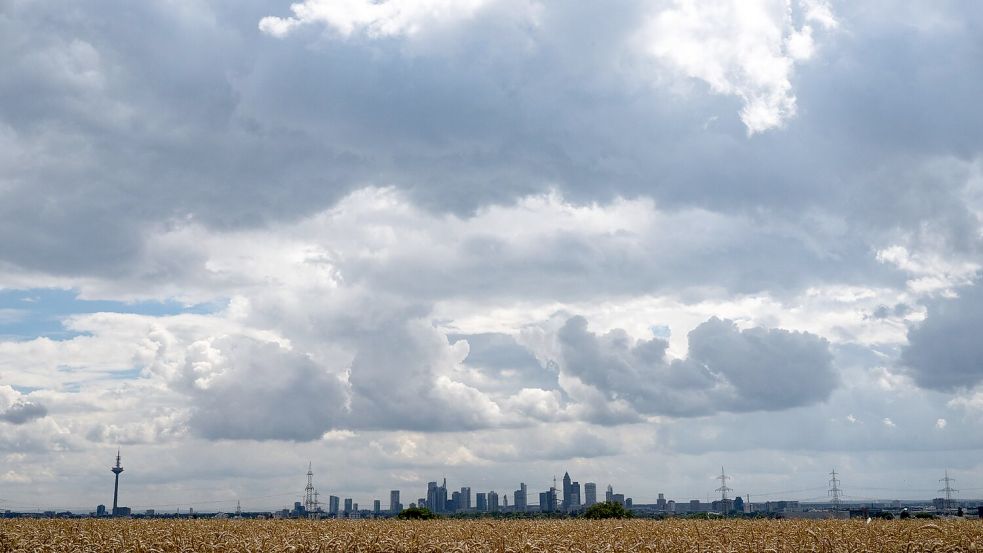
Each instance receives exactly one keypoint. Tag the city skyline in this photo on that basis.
(492, 241)
(568, 497)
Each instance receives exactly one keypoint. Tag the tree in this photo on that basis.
(607, 509)
(416, 513)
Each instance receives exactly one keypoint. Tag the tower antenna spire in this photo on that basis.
(118, 468)
(834, 489)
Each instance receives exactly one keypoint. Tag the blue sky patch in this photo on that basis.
(33, 313)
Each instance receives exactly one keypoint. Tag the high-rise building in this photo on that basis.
(567, 484)
(333, 503)
(574, 496)
(465, 504)
(394, 505)
(590, 494)
(481, 502)
(609, 494)
(521, 498)
(437, 497)
(454, 503)
(493, 501)
(421, 503)
(100, 510)
(432, 496)
(547, 501)
(348, 506)
(660, 503)
(376, 506)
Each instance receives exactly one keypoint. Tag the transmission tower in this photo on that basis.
(309, 491)
(723, 489)
(834, 489)
(948, 489)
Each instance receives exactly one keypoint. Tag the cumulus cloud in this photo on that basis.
(727, 369)
(401, 377)
(243, 388)
(743, 48)
(15, 408)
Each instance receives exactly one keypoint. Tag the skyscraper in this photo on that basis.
(376, 506)
(394, 505)
(334, 503)
(609, 494)
(481, 502)
(590, 494)
(348, 506)
(454, 503)
(574, 502)
(437, 497)
(547, 501)
(493, 501)
(521, 498)
(116, 470)
(465, 499)
(566, 491)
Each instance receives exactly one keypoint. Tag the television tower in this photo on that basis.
(309, 491)
(834, 489)
(116, 470)
(723, 489)
(948, 489)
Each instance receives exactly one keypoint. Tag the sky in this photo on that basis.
(492, 241)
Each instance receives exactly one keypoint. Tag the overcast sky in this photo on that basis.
(491, 240)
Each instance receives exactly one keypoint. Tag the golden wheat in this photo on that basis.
(369, 536)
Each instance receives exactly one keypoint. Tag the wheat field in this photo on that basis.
(296, 536)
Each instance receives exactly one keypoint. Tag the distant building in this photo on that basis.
(493, 501)
(149, 512)
(574, 503)
(547, 501)
(567, 485)
(100, 510)
(454, 503)
(660, 503)
(348, 506)
(465, 501)
(618, 498)
(609, 494)
(481, 502)
(376, 506)
(437, 497)
(333, 504)
(590, 494)
(394, 505)
(521, 498)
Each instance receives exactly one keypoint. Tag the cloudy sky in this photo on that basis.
(490, 240)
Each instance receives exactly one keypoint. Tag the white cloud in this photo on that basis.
(372, 17)
(888, 422)
(744, 48)
(940, 424)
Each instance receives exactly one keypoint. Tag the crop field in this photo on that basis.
(30, 535)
